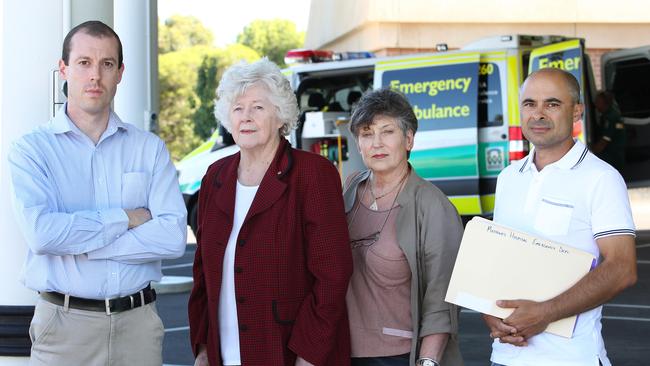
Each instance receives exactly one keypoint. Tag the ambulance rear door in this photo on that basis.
(568, 56)
(493, 117)
(443, 90)
(626, 74)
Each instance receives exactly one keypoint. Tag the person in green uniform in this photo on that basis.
(610, 143)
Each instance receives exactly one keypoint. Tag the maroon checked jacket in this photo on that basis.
(292, 263)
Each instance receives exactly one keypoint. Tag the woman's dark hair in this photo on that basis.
(383, 102)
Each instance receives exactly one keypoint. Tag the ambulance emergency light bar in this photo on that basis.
(304, 56)
(312, 56)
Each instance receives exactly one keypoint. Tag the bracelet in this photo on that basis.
(426, 361)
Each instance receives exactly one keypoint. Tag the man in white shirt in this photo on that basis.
(563, 192)
(99, 204)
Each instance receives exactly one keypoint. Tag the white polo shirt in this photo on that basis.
(575, 201)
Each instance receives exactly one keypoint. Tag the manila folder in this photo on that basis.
(498, 263)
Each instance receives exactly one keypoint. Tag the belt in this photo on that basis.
(110, 306)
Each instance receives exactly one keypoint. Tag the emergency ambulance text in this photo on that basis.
(432, 87)
(568, 64)
(436, 112)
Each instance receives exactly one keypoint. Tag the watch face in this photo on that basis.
(428, 363)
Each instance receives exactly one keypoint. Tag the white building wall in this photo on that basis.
(339, 24)
(24, 104)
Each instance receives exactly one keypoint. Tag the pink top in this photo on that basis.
(378, 297)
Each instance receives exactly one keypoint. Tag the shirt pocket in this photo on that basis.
(135, 189)
(553, 216)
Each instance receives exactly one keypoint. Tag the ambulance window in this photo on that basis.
(632, 87)
(490, 108)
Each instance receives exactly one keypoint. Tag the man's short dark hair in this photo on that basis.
(93, 28)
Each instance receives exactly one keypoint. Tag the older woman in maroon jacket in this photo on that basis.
(273, 261)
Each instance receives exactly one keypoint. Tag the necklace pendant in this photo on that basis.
(373, 206)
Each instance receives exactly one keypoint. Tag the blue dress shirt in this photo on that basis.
(69, 199)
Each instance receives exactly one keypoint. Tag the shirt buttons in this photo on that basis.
(241, 299)
(239, 269)
(241, 242)
(243, 327)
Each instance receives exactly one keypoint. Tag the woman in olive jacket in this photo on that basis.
(416, 227)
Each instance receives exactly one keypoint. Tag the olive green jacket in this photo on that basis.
(429, 232)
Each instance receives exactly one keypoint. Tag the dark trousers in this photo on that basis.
(399, 360)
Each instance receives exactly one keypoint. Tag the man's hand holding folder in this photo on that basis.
(481, 282)
(527, 320)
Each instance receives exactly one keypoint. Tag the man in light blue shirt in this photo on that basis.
(99, 204)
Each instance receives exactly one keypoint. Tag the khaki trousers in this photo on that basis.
(67, 337)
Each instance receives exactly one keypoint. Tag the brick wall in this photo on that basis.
(595, 54)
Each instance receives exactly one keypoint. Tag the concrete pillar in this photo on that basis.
(24, 103)
(137, 100)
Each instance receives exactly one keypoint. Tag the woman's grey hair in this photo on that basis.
(239, 77)
(383, 102)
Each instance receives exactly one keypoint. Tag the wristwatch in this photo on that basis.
(426, 361)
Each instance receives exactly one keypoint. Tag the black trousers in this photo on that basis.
(399, 360)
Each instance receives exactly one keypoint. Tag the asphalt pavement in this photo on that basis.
(626, 319)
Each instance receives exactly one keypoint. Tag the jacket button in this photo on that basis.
(243, 327)
(241, 299)
(242, 242)
(239, 269)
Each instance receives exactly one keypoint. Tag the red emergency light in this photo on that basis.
(307, 56)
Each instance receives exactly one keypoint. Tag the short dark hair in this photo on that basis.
(383, 102)
(93, 28)
(607, 96)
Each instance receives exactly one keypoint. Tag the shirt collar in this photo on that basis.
(570, 160)
(62, 123)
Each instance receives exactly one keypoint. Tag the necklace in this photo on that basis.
(370, 240)
(373, 205)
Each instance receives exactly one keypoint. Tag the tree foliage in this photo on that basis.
(272, 38)
(206, 84)
(177, 75)
(180, 32)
